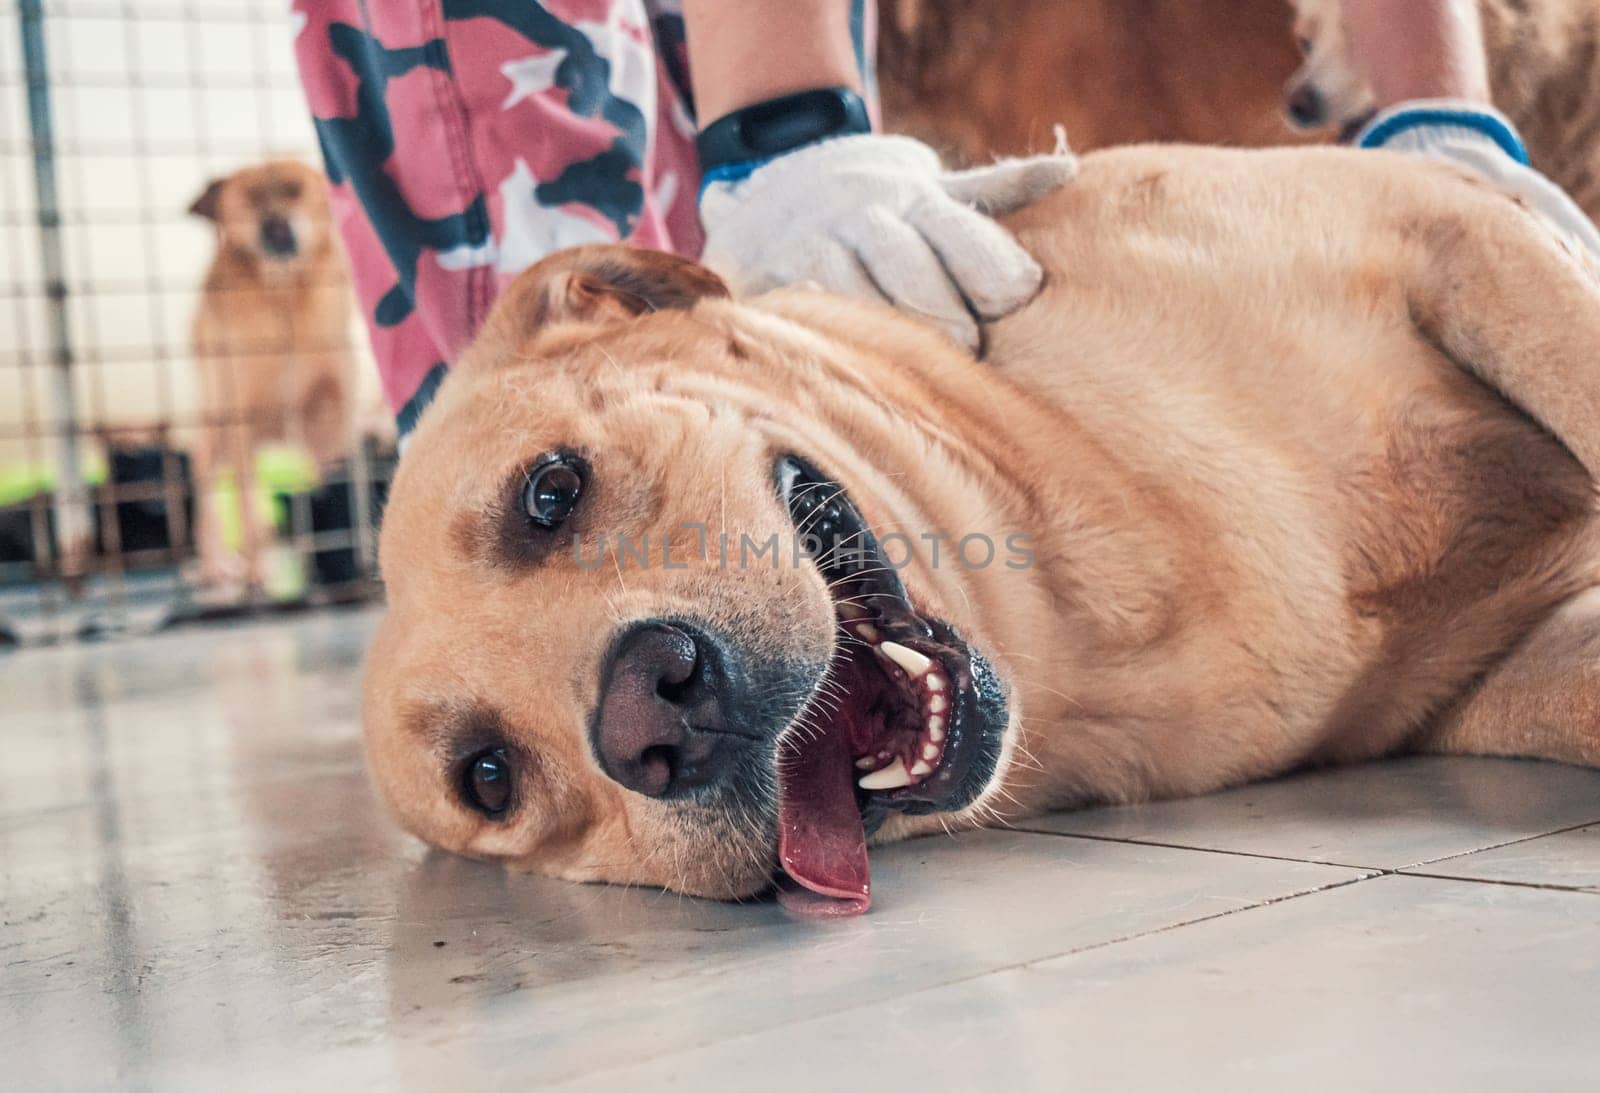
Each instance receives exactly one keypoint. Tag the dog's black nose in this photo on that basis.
(664, 726)
(277, 237)
(1306, 107)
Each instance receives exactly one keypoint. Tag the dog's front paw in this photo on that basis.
(220, 572)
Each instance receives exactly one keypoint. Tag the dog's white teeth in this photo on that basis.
(849, 612)
(936, 729)
(936, 704)
(935, 681)
(929, 751)
(921, 769)
(892, 776)
(866, 762)
(912, 661)
(867, 633)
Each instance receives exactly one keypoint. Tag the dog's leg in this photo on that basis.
(252, 535)
(1492, 288)
(1542, 701)
(216, 565)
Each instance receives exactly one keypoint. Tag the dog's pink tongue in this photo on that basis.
(821, 843)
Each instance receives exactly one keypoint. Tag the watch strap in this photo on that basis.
(766, 129)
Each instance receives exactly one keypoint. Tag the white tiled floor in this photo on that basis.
(1393, 815)
(198, 890)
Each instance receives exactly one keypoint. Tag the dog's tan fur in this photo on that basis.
(1261, 422)
(273, 345)
(1542, 74)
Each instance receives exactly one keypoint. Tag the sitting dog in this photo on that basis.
(272, 343)
(1541, 75)
(1291, 462)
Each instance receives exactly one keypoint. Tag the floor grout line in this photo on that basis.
(1508, 842)
(1578, 889)
(1270, 902)
(1407, 870)
(1373, 871)
(1131, 841)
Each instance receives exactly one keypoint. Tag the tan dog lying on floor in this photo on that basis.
(1252, 465)
(272, 343)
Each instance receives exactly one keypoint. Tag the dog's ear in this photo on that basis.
(210, 198)
(593, 285)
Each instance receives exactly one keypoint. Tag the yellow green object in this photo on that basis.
(278, 471)
(21, 481)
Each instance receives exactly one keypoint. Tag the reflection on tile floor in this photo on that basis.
(198, 889)
(1395, 983)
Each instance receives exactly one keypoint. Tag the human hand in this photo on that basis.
(1477, 137)
(878, 217)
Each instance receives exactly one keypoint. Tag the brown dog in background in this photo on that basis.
(272, 344)
(1541, 75)
(979, 80)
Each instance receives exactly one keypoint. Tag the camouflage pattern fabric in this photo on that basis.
(466, 139)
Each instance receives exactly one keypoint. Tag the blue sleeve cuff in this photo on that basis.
(1404, 120)
(732, 172)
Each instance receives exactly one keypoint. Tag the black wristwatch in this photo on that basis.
(769, 128)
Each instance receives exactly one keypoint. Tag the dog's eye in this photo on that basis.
(552, 490)
(488, 782)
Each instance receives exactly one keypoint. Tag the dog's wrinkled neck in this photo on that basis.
(1105, 557)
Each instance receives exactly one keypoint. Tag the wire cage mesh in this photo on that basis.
(114, 115)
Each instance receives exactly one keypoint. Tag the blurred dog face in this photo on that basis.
(595, 662)
(1327, 89)
(274, 214)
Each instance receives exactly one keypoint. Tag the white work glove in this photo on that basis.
(1479, 138)
(878, 216)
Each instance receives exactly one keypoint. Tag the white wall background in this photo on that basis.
(150, 98)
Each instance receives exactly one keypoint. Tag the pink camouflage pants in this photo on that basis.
(466, 139)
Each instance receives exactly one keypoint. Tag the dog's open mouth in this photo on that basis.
(908, 718)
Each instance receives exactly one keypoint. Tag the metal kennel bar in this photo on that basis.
(114, 114)
(69, 509)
